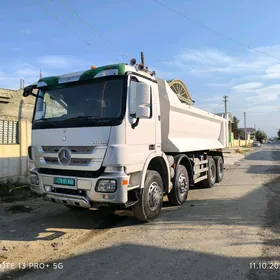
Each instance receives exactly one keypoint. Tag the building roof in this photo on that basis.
(230, 117)
(248, 130)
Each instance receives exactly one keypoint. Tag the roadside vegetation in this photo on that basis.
(11, 192)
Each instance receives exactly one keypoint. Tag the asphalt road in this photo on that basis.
(231, 231)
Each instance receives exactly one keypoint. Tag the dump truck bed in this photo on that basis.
(185, 128)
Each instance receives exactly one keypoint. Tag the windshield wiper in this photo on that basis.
(80, 117)
(46, 121)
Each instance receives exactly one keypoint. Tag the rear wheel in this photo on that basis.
(179, 193)
(150, 202)
(219, 168)
(211, 174)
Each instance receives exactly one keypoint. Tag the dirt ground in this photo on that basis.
(231, 231)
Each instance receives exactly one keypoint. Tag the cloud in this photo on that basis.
(262, 98)
(212, 99)
(207, 61)
(220, 72)
(13, 71)
(272, 72)
(247, 87)
(263, 109)
(225, 84)
(11, 75)
(27, 31)
(61, 62)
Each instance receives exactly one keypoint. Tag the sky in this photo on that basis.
(216, 47)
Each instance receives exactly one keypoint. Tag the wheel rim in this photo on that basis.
(155, 194)
(182, 184)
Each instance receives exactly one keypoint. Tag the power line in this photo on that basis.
(71, 11)
(214, 31)
(216, 107)
(72, 30)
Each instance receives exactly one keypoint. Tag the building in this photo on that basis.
(15, 134)
(230, 121)
(249, 130)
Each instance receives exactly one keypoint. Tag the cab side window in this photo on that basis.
(132, 97)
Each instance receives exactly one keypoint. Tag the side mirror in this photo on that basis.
(143, 101)
(29, 90)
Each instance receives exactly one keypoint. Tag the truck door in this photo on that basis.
(140, 134)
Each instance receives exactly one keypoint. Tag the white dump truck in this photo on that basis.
(116, 136)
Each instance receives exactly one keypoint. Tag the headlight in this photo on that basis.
(34, 179)
(106, 186)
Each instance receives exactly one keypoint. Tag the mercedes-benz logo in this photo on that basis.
(64, 156)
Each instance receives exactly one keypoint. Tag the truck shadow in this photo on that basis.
(193, 212)
(133, 261)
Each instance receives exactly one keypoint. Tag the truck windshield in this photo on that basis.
(87, 104)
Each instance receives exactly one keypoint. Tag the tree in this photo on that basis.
(240, 134)
(278, 133)
(260, 136)
(234, 125)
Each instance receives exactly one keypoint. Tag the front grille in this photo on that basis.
(73, 149)
(82, 157)
(74, 161)
(71, 173)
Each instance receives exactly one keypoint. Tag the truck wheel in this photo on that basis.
(211, 179)
(150, 201)
(179, 193)
(219, 169)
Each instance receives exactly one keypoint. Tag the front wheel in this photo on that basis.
(150, 202)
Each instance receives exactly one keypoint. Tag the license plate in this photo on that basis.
(64, 181)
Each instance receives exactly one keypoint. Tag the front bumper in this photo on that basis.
(84, 193)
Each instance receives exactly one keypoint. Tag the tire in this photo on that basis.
(219, 169)
(179, 193)
(146, 209)
(211, 174)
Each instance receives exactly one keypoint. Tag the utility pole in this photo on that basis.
(226, 117)
(245, 128)
(41, 75)
(255, 131)
(225, 101)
